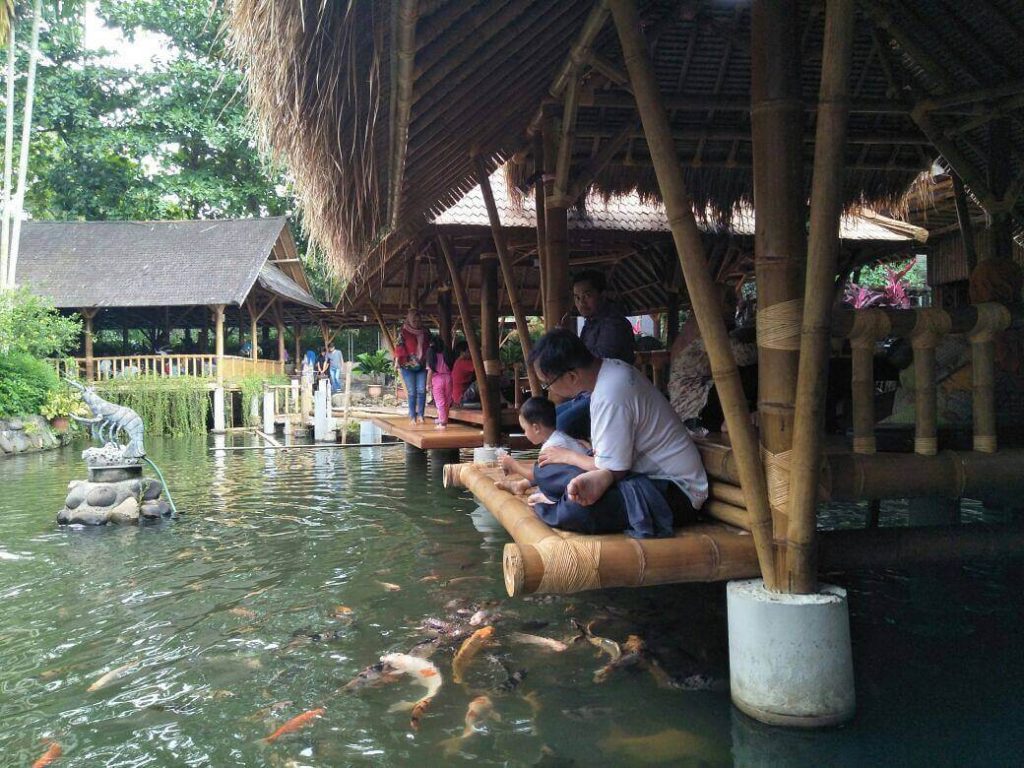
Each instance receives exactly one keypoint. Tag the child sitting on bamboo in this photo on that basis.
(537, 419)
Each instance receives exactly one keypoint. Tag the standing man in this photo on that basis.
(606, 333)
(335, 361)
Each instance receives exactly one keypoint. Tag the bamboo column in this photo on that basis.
(823, 255)
(297, 333)
(869, 327)
(388, 339)
(780, 240)
(462, 299)
(963, 217)
(88, 315)
(992, 318)
(932, 324)
(692, 259)
(507, 274)
(489, 346)
(556, 216)
(279, 324)
(218, 321)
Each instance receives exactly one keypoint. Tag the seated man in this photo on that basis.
(537, 419)
(633, 427)
(606, 333)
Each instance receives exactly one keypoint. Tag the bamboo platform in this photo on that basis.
(544, 559)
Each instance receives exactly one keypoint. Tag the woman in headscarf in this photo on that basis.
(410, 357)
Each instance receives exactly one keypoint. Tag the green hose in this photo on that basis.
(170, 499)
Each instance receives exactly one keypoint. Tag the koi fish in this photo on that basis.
(512, 682)
(633, 652)
(464, 579)
(669, 746)
(479, 708)
(296, 723)
(389, 586)
(601, 643)
(373, 676)
(49, 756)
(469, 649)
(112, 675)
(424, 673)
(543, 642)
(245, 613)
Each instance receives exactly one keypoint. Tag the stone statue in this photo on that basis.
(116, 491)
(112, 418)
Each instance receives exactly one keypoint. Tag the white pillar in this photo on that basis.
(306, 401)
(218, 409)
(294, 394)
(268, 411)
(790, 660)
(321, 412)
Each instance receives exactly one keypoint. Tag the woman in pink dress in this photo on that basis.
(440, 361)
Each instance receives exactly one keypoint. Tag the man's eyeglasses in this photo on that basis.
(546, 385)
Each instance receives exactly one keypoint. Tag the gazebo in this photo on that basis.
(165, 275)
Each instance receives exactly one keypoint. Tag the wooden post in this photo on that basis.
(489, 346)
(963, 217)
(88, 315)
(992, 318)
(279, 324)
(218, 321)
(932, 324)
(542, 231)
(297, 332)
(869, 327)
(1000, 144)
(467, 325)
(780, 240)
(687, 238)
(672, 320)
(556, 290)
(815, 337)
(444, 313)
(522, 328)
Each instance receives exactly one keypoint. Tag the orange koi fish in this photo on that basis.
(479, 708)
(296, 723)
(49, 756)
(469, 649)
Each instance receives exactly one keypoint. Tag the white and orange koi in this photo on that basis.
(423, 673)
(543, 642)
(112, 675)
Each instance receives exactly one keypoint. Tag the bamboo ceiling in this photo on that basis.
(375, 107)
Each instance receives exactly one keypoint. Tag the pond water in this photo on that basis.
(277, 585)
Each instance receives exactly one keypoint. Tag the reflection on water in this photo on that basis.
(274, 588)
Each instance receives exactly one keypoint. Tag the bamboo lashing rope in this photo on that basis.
(492, 367)
(991, 319)
(776, 473)
(932, 324)
(778, 326)
(570, 565)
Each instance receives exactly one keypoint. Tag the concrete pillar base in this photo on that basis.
(268, 413)
(218, 409)
(789, 655)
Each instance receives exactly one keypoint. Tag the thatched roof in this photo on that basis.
(161, 263)
(375, 107)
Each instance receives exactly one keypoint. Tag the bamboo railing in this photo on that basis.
(202, 366)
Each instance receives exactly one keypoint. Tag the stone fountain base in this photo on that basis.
(115, 492)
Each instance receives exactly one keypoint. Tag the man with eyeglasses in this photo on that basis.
(633, 426)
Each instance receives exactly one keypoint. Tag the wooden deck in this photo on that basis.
(509, 416)
(427, 436)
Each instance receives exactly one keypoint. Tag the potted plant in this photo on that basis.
(375, 365)
(60, 403)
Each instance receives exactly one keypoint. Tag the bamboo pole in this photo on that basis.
(462, 299)
(780, 240)
(388, 339)
(444, 314)
(870, 326)
(963, 217)
(88, 314)
(489, 346)
(508, 275)
(5, 227)
(823, 255)
(992, 318)
(538, 200)
(556, 216)
(689, 246)
(931, 326)
(405, 55)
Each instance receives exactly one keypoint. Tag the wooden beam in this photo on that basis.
(404, 55)
(693, 102)
(823, 255)
(690, 249)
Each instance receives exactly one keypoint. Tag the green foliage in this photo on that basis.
(171, 405)
(876, 276)
(25, 384)
(61, 402)
(29, 324)
(374, 364)
(252, 394)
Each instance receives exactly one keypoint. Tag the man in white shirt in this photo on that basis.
(633, 426)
